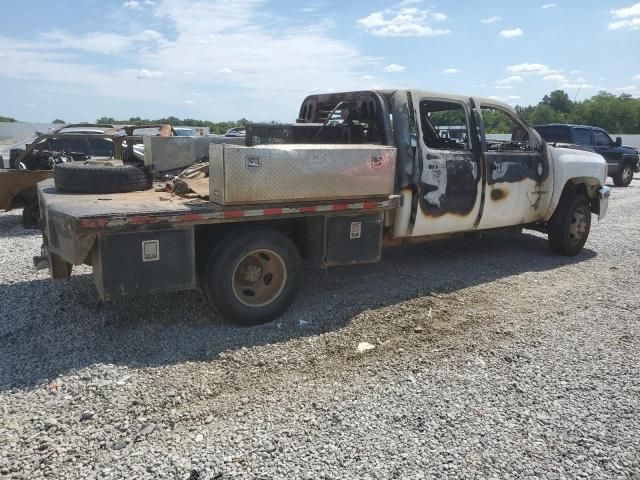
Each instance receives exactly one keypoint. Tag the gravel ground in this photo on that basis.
(491, 358)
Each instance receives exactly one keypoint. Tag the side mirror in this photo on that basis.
(618, 141)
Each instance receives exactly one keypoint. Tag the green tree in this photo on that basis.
(558, 100)
(57, 121)
(7, 119)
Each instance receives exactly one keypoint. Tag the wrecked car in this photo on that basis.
(72, 145)
(356, 172)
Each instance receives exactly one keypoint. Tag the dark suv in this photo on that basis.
(622, 161)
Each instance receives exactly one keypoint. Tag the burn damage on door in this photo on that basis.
(450, 174)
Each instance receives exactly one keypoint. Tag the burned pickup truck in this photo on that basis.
(357, 171)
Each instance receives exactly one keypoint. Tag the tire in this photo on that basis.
(570, 224)
(31, 216)
(624, 177)
(80, 178)
(252, 277)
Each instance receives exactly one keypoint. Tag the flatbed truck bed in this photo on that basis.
(150, 241)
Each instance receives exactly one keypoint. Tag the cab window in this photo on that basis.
(503, 131)
(444, 125)
(582, 136)
(601, 139)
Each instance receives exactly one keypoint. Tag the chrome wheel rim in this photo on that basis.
(627, 175)
(579, 225)
(259, 278)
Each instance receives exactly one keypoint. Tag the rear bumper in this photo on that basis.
(603, 195)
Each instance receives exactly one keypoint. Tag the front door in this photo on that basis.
(518, 181)
(607, 148)
(449, 183)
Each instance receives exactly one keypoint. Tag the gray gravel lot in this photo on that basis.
(492, 358)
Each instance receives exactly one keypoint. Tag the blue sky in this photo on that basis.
(222, 60)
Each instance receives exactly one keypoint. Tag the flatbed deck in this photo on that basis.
(105, 212)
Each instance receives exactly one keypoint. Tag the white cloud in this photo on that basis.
(493, 19)
(367, 77)
(503, 87)
(636, 77)
(189, 102)
(627, 18)
(548, 5)
(104, 42)
(237, 36)
(633, 24)
(628, 88)
(533, 68)
(226, 71)
(138, 4)
(403, 22)
(144, 73)
(514, 32)
(394, 68)
(626, 12)
(514, 97)
(556, 77)
(511, 79)
(576, 72)
(449, 71)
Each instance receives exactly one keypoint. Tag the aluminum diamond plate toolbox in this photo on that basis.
(300, 172)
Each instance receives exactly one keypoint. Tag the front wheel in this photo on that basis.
(253, 276)
(624, 176)
(570, 225)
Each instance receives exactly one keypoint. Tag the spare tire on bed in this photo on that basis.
(75, 177)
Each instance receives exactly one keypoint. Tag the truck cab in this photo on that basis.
(463, 163)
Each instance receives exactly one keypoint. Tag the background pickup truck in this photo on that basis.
(622, 161)
(357, 171)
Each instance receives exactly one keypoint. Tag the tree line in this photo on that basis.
(614, 113)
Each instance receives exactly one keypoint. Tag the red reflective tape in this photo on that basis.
(234, 213)
(141, 220)
(191, 217)
(273, 211)
(308, 209)
(93, 223)
(340, 206)
(369, 204)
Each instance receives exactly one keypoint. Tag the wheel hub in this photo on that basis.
(579, 225)
(259, 278)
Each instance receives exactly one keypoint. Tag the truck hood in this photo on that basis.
(569, 150)
(571, 162)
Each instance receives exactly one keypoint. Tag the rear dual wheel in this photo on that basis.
(252, 275)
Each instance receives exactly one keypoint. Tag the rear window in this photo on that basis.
(554, 133)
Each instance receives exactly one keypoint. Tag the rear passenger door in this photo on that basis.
(582, 136)
(450, 178)
(518, 186)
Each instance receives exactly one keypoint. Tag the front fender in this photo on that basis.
(576, 167)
